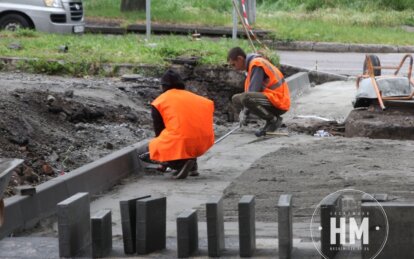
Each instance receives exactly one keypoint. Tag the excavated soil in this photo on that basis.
(396, 122)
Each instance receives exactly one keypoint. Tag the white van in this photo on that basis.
(57, 16)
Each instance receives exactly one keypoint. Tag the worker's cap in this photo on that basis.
(171, 79)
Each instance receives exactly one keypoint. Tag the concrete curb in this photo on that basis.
(217, 31)
(273, 44)
(24, 212)
(316, 77)
(337, 47)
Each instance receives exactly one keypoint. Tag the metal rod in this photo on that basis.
(226, 135)
(148, 16)
(234, 36)
(374, 82)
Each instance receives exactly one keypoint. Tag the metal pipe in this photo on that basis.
(234, 24)
(148, 16)
(374, 82)
(227, 134)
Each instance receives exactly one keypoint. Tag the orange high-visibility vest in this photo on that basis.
(276, 88)
(188, 120)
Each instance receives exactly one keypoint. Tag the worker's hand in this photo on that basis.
(243, 117)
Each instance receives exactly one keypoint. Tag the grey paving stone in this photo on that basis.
(151, 224)
(373, 48)
(401, 229)
(101, 228)
(293, 45)
(48, 195)
(406, 49)
(327, 207)
(298, 84)
(330, 47)
(187, 234)
(285, 223)
(247, 226)
(74, 226)
(128, 210)
(215, 226)
(13, 217)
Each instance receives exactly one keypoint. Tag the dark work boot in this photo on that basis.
(270, 126)
(194, 170)
(273, 124)
(185, 169)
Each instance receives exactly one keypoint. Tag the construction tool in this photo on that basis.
(227, 134)
(261, 133)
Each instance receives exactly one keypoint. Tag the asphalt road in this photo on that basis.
(337, 63)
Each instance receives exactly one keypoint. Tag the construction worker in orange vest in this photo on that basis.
(266, 94)
(183, 125)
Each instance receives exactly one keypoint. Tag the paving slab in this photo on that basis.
(74, 226)
(101, 228)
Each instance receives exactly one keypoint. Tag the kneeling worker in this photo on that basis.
(183, 125)
(266, 94)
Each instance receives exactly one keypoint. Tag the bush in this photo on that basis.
(398, 5)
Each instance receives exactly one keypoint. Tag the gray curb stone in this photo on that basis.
(215, 226)
(285, 223)
(101, 228)
(74, 226)
(187, 233)
(247, 226)
(23, 212)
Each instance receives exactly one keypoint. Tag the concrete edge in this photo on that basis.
(24, 212)
(317, 77)
(337, 47)
(276, 44)
(298, 84)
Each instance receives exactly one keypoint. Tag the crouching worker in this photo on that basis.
(266, 94)
(183, 125)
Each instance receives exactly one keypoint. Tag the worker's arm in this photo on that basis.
(257, 78)
(157, 121)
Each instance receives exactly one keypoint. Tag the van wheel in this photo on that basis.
(13, 22)
(375, 62)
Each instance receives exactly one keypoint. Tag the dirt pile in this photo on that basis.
(396, 122)
(58, 124)
(55, 133)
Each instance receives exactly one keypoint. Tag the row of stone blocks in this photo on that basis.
(144, 227)
(79, 234)
(138, 211)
